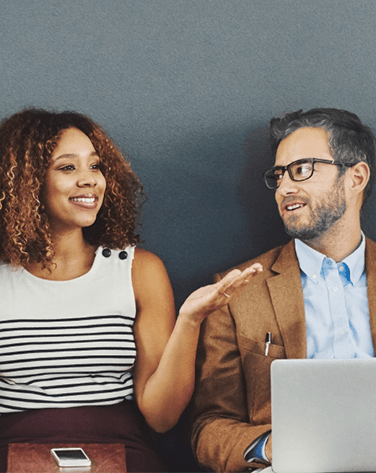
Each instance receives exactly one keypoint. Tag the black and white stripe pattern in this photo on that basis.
(65, 363)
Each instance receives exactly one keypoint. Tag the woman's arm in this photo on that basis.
(164, 371)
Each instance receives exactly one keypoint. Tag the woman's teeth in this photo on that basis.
(86, 200)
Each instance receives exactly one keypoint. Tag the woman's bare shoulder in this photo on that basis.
(146, 261)
(148, 268)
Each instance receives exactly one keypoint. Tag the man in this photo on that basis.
(311, 298)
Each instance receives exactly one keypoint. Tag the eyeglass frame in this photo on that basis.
(310, 160)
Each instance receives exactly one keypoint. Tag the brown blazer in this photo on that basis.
(232, 396)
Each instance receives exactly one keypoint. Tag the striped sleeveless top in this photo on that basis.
(67, 343)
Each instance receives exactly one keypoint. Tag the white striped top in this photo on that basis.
(67, 343)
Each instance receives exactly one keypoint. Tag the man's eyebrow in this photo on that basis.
(73, 155)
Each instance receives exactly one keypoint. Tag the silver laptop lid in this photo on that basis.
(324, 415)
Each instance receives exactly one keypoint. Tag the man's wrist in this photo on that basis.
(256, 451)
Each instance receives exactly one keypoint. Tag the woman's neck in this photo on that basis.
(73, 258)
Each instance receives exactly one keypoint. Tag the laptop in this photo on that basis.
(324, 416)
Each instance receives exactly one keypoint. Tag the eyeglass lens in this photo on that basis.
(298, 171)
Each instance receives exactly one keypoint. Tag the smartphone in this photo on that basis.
(70, 457)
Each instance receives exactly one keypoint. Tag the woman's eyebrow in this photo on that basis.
(73, 155)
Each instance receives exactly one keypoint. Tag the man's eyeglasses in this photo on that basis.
(299, 170)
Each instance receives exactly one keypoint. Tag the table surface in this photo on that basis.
(37, 458)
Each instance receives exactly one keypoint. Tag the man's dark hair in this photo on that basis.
(349, 140)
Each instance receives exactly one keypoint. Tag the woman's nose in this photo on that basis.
(87, 179)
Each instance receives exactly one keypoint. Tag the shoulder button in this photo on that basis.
(106, 252)
(123, 255)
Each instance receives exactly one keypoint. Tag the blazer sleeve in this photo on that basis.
(222, 429)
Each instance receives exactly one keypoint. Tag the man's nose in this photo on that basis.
(286, 185)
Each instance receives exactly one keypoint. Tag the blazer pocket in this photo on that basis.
(256, 368)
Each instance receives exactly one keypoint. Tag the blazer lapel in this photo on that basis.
(287, 298)
(371, 286)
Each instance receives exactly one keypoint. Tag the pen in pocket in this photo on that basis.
(268, 340)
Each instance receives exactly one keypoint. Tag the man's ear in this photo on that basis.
(359, 177)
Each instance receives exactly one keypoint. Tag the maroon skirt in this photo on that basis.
(118, 423)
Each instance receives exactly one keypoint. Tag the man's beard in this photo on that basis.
(330, 209)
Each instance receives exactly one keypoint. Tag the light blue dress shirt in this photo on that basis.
(336, 304)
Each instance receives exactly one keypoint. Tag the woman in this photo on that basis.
(89, 347)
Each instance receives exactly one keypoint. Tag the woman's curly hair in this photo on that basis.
(27, 140)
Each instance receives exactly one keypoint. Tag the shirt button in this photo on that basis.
(342, 332)
(335, 289)
(314, 276)
(106, 252)
(123, 255)
(341, 268)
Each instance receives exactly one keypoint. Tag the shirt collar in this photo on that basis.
(356, 261)
(310, 260)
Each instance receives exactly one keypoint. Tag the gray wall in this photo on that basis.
(187, 88)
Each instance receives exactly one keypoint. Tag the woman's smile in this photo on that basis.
(85, 201)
